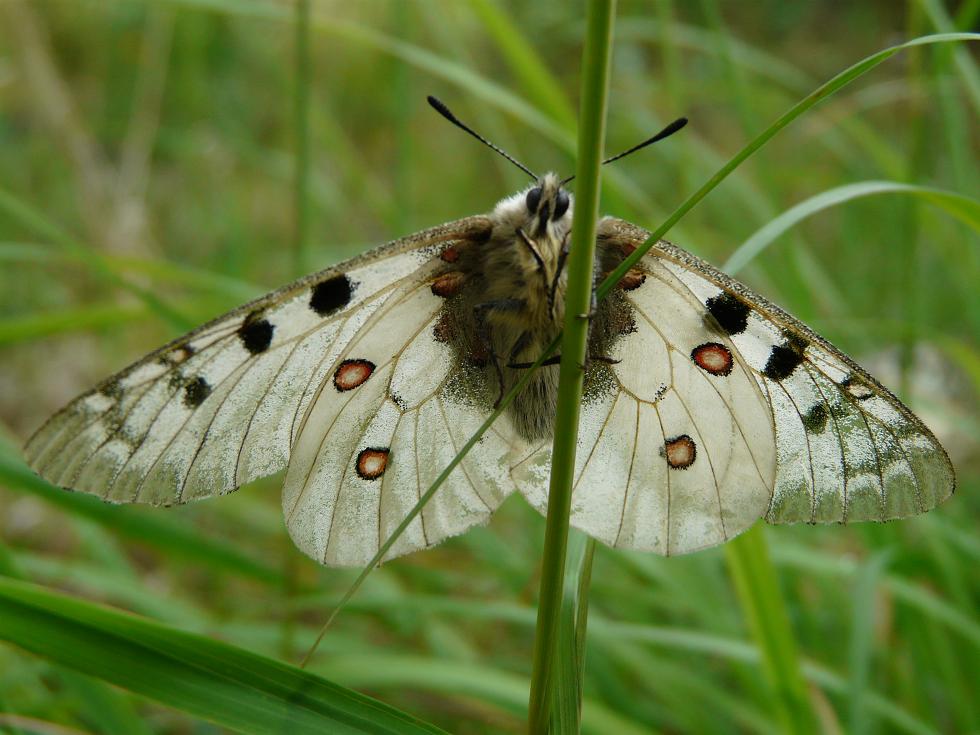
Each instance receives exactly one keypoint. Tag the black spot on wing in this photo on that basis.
(731, 313)
(330, 295)
(815, 420)
(785, 358)
(256, 334)
(195, 391)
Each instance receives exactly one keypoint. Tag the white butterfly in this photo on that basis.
(706, 407)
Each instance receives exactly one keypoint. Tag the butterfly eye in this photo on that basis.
(533, 199)
(561, 205)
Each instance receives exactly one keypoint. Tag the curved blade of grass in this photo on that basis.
(427, 495)
(596, 62)
(961, 207)
(820, 93)
(203, 677)
(156, 530)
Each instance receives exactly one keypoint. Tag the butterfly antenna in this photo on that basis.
(441, 108)
(665, 133)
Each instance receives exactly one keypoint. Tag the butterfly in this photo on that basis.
(705, 407)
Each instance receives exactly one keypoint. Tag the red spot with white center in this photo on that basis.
(713, 358)
(680, 451)
(182, 353)
(372, 462)
(448, 284)
(632, 280)
(352, 373)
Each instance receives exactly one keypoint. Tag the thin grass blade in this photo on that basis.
(214, 681)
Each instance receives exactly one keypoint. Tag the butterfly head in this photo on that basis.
(547, 206)
(542, 212)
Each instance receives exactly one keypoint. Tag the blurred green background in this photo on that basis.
(149, 154)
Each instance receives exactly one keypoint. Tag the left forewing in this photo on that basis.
(220, 405)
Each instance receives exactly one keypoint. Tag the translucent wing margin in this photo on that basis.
(222, 405)
(846, 448)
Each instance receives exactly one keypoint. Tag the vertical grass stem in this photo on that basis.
(578, 302)
(301, 132)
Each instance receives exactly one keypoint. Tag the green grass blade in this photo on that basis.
(596, 61)
(763, 606)
(964, 62)
(862, 640)
(76, 319)
(961, 207)
(821, 93)
(302, 134)
(156, 530)
(570, 656)
(22, 213)
(524, 62)
(203, 677)
(440, 67)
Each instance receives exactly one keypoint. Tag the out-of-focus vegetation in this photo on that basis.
(147, 152)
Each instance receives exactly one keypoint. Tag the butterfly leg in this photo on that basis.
(480, 314)
(562, 257)
(519, 346)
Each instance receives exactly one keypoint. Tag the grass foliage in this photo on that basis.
(150, 182)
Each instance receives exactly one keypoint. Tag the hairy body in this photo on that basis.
(510, 304)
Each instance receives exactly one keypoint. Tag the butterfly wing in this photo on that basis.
(672, 457)
(379, 431)
(725, 409)
(847, 448)
(223, 404)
